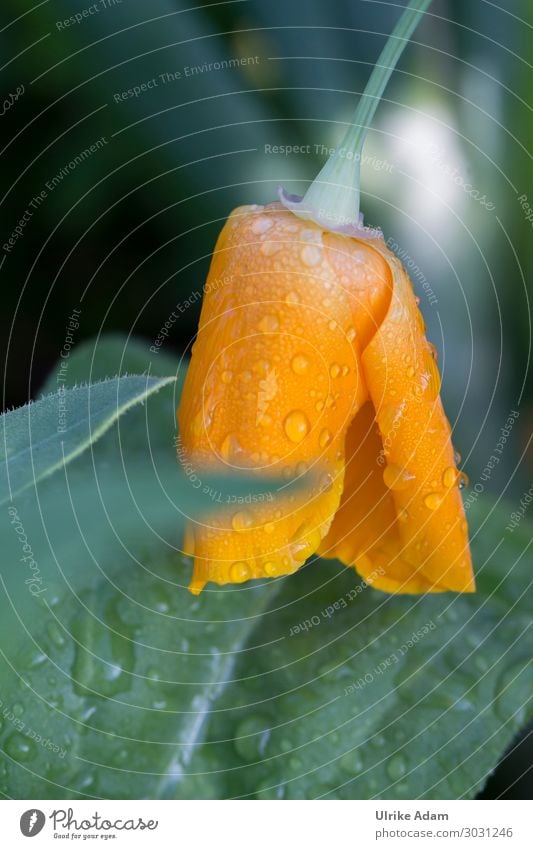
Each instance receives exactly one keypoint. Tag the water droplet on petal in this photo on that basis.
(388, 417)
(433, 500)
(311, 255)
(230, 448)
(324, 438)
(296, 426)
(430, 376)
(239, 572)
(270, 528)
(227, 376)
(242, 520)
(350, 334)
(396, 478)
(292, 298)
(269, 324)
(272, 568)
(410, 372)
(299, 364)
(270, 248)
(261, 225)
(335, 370)
(449, 477)
(326, 482)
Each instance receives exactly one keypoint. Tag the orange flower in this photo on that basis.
(311, 358)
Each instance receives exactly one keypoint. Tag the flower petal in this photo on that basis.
(274, 382)
(423, 541)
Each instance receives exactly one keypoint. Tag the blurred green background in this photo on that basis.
(124, 234)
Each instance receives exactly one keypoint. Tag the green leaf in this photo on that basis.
(42, 437)
(115, 682)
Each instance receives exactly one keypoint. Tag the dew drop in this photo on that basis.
(269, 323)
(335, 370)
(324, 438)
(239, 572)
(270, 527)
(396, 767)
(299, 364)
(227, 376)
(242, 520)
(56, 634)
(251, 738)
(396, 478)
(326, 482)
(20, 748)
(230, 448)
(387, 418)
(292, 298)
(261, 225)
(272, 568)
(463, 480)
(270, 248)
(449, 477)
(410, 372)
(296, 426)
(457, 458)
(430, 376)
(433, 500)
(311, 255)
(351, 762)
(350, 334)
(332, 324)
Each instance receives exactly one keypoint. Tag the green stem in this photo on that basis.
(334, 195)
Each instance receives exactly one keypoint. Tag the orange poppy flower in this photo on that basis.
(311, 360)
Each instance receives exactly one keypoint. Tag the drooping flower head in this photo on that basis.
(311, 360)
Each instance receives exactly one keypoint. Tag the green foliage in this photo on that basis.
(117, 683)
(42, 437)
